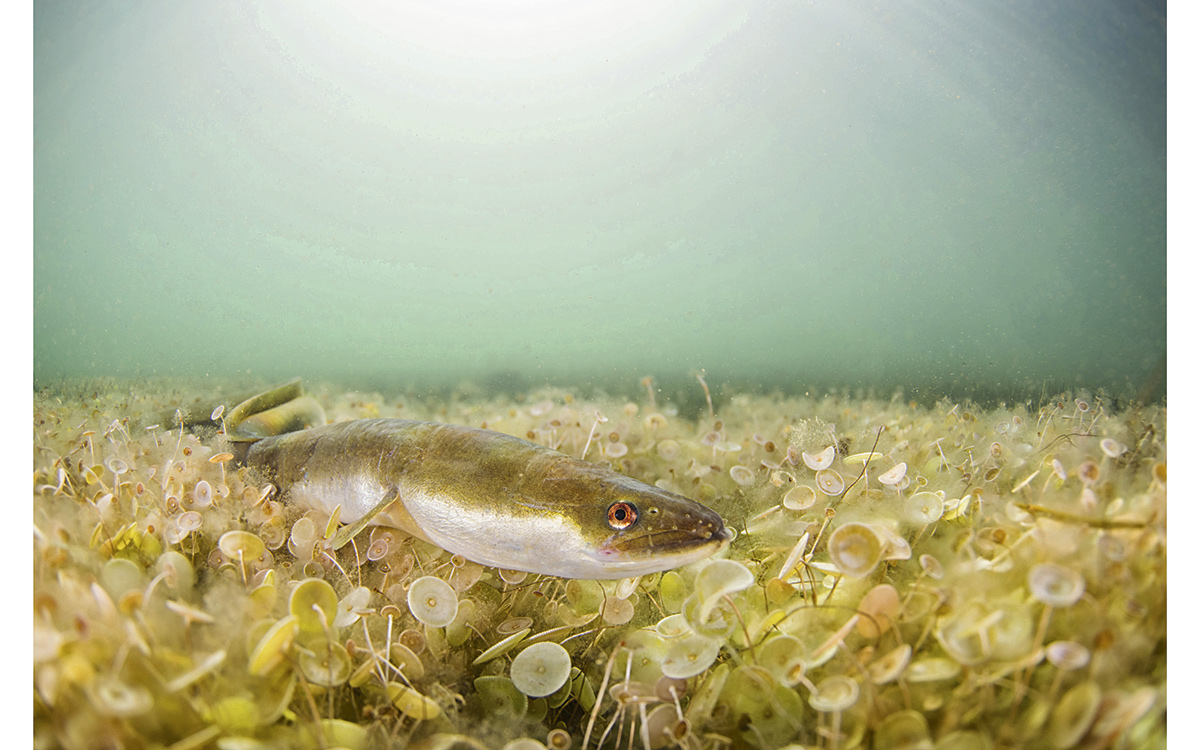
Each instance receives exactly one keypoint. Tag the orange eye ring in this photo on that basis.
(622, 515)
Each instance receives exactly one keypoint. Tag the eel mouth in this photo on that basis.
(668, 542)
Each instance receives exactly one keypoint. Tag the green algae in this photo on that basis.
(990, 501)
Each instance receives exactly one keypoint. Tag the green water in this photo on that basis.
(943, 197)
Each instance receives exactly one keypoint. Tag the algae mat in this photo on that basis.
(902, 576)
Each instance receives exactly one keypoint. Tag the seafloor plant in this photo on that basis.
(903, 577)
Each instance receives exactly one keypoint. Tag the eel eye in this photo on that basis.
(621, 515)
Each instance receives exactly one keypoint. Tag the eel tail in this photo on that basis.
(276, 411)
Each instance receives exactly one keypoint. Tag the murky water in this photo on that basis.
(883, 285)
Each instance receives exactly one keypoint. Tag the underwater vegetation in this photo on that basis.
(903, 576)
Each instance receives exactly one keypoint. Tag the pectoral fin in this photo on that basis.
(348, 532)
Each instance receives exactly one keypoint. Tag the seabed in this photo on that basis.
(903, 576)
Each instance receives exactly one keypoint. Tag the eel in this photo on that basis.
(493, 498)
